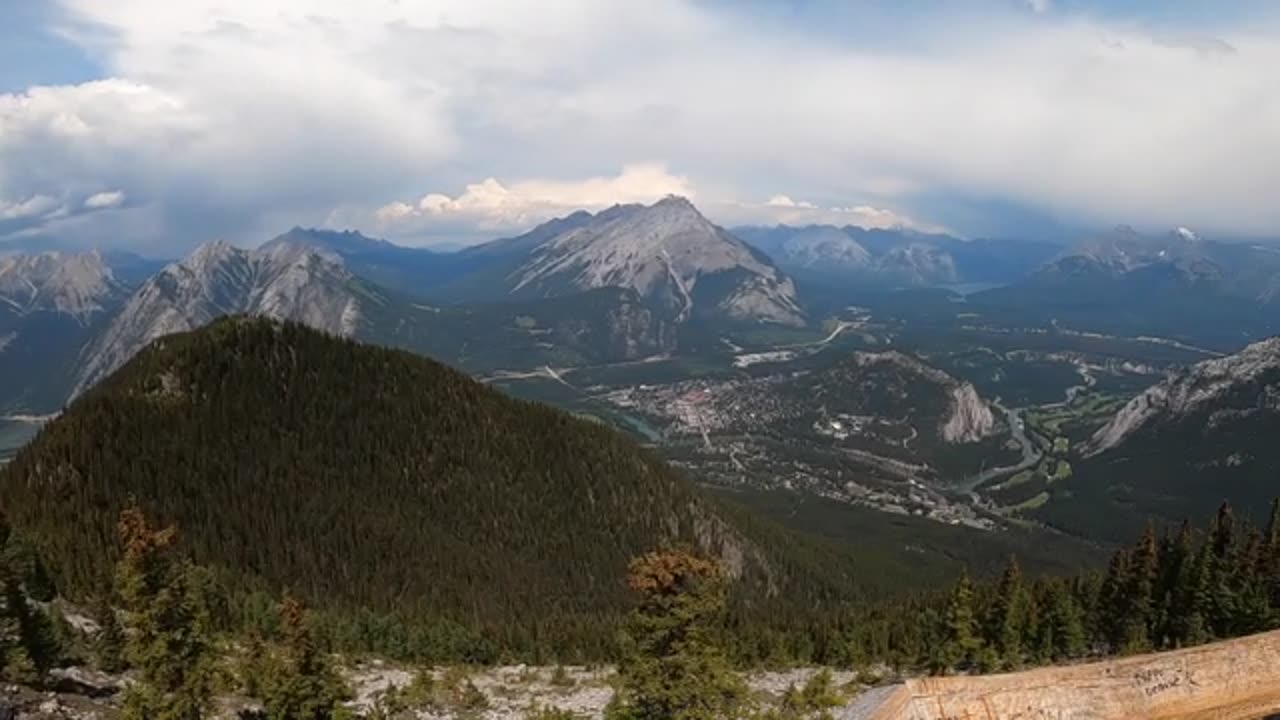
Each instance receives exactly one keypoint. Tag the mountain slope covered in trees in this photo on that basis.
(1204, 434)
(374, 483)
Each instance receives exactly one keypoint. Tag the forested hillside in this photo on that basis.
(375, 483)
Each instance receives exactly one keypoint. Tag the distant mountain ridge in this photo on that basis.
(894, 257)
(50, 304)
(1176, 284)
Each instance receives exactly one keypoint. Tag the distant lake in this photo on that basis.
(971, 288)
(13, 435)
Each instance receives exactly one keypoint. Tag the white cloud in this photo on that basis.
(35, 206)
(226, 118)
(1040, 6)
(785, 201)
(104, 200)
(497, 208)
(491, 205)
(783, 210)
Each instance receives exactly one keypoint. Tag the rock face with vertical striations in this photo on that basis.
(79, 285)
(671, 255)
(51, 304)
(281, 280)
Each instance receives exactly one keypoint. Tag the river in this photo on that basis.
(1031, 454)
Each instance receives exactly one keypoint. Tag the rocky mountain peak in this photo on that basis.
(285, 279)
(77, 284)
(336, 241)
(663, 251)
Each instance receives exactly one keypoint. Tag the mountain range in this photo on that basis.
(613, 286)
(1176, 284)
(827, 255)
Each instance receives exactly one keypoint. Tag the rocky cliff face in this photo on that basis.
(1209, 387)
(965, 416)
(971, 418)
(285, 281)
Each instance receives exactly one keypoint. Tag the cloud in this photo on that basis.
(491, 205)
(33, 207)
(1039, 6)
(239, 119)
(785, 201)
(783, 210)
(103, 200)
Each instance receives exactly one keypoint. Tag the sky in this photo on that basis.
(155, 125)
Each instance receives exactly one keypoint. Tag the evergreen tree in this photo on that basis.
(1066, 619)
(674, 667)
(960, 641)
(1271, 561)
(1008, 616)
(1138, 606)
(27, 635)
(1222, 609)
(109, 643)
(306, 687)
(254, 667)
(1113, 601)
(1252, 596)
(169, 645)
(1184, 617)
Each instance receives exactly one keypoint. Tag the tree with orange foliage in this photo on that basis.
(674, 666)
(306, 686)
(170, 643)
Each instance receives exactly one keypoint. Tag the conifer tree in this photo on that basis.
(960, 641)
(1113, 600)
(1143, 570)
(1222, 610)
(1252, 596)
(1066, 619)
(1008, 617)
(306, 687)
(1269, 569)
(1184, 608)
(16, 663)
(30, 641)
(169, 645)
(109, 643)
(674, 667)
